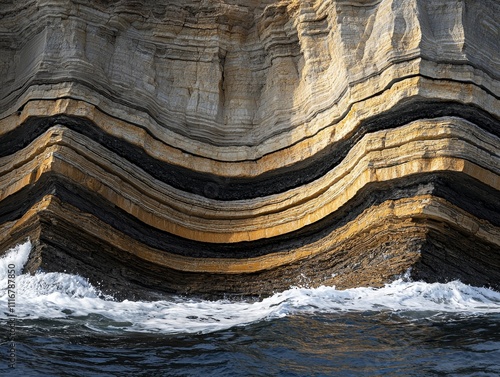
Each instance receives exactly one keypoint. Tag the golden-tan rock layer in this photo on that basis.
(426, 146)
(252, 145)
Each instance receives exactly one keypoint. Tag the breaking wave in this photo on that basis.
(65, 296)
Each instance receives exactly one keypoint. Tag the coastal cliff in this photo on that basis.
(243, 147)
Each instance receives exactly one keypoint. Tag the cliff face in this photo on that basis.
(228, 146)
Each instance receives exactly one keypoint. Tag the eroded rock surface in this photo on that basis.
(228, 146)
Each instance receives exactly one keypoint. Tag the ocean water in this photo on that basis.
(56, 324)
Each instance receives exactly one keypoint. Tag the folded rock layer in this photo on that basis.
(243, 147)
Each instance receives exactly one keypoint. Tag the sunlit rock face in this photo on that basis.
(229, 146)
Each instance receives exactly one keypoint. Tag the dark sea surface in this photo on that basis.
(64, 327)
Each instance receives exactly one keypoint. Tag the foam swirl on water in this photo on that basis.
(64, 296)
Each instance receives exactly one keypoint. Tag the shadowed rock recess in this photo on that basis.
(243, 147)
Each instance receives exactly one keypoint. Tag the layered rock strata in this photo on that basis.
(244, 147)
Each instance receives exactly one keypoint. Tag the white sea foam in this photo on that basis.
(65, 296)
